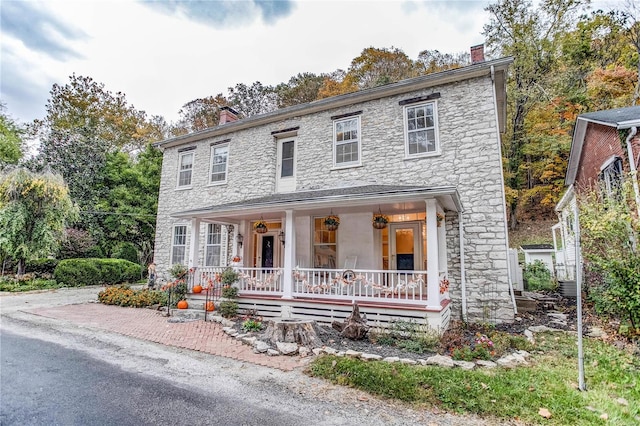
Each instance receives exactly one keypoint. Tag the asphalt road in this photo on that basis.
(45, 384)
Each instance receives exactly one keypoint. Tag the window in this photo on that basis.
(219, 155)
(611, 177)
(347, 141)
(213, 246)
(420, 127)
(324, 245)
(185, 166)
(287, 159)
(179, 246)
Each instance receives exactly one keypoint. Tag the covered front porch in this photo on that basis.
(301, 267)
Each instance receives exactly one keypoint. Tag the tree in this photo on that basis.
(252, 100)
(34, 211)
(376, 67)
(430, 61)
(335, 84)
(300, 89)
(11, 145)
(200, 114)
(532, 37)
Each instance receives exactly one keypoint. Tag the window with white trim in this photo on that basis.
(421, 129)
(185, 169)
(213, 246)
(179, 244)
(346, 145)
(219, 156)
(611, 177)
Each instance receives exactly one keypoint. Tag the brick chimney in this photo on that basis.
(477, 53)
(227, 115)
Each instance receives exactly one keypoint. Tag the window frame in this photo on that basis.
(343, 165)
(211, 164)
(405, 115)
(174, 236)
(181, 156)
(611, 176)
(210, 245)
(314, 244)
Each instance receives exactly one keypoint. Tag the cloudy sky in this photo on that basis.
(165, 53)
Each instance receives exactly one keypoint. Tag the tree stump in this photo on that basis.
(354, 326)
(292, 330)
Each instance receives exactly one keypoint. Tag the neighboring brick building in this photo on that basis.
(605, 148)
(425, 152)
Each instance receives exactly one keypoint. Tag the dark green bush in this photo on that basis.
(41, 266)
(126, 251)
(538, 277)
(81, 272)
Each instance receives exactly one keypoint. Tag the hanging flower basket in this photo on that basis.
(331, 222)
(439, 219)
(379, 220)
(260, 226)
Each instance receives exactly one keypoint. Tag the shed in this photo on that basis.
(542, 252)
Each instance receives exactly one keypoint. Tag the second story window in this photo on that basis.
(611, 177)
(219, 156)
(185, 169)
(346, 147)
(421, 134)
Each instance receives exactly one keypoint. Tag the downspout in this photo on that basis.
(463, 272)
(632, 166)
(504, 199)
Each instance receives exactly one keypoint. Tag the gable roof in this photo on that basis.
(496, 69)
(619, 118)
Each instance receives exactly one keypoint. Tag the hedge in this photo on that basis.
(82, 272)
(41, 266)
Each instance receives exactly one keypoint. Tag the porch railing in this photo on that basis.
(337, 284)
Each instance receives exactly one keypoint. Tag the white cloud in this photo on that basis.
(161, 61)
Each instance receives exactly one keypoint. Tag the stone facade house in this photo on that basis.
(605, 147)
(423, 152)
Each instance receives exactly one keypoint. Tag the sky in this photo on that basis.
(162, 54)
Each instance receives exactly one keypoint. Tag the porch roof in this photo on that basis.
(391, 199)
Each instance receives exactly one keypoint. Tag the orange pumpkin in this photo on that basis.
(183, 304)
(197, 289)
(210, 307)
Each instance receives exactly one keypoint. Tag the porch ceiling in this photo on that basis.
(389, 199)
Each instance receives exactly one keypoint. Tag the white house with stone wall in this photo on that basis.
(425, 152)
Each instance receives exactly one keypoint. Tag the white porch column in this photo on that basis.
(433, 263)
(442, 246)
(289, 254)
(193, 250)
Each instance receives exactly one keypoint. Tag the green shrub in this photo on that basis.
(41, 266)
(538, 277)
(228, 308)
(229, 276)
(82, 272)
(229, 292)
(16, 285)
(126, 251)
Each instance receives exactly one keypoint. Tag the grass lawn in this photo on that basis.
(13, 285)
(549, 382)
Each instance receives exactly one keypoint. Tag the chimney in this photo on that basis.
(477, 53)
(227, 115)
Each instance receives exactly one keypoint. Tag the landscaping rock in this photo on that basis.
(353, 354)
(226, 323)
(441, 360)
(596, 332)
(287, 348)
(529, 335)
(408, 361)
(370, 357)
(465, 365)
(486, 364)
(272, 352)
(391, 359)
(304, 351)
(260, 346)
(542, 328)
(513, 360)
(330, 351)
(317, 351)
(248, 340)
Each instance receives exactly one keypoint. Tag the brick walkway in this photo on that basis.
(147, 324)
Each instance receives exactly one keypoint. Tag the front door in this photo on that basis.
(267, 251)
(405, 248)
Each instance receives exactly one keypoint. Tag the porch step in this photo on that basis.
(526, 304)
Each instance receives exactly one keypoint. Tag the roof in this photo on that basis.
(496, 69)
(389, 197)
(618, 118)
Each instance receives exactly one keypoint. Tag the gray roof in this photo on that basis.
(365, 194)
(621, 118)
(536, 247)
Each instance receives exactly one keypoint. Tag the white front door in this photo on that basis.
(405, 247)
(286, 167)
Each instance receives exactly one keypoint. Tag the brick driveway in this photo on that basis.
(147, 324)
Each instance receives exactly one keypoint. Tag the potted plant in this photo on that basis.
(260, 226)
(331, 222)
(379, 220)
